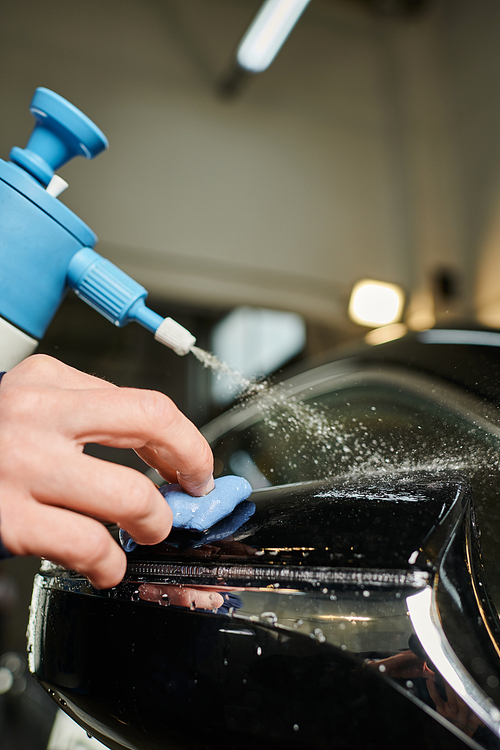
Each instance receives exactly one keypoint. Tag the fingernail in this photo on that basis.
(210, 485)
(200, 491)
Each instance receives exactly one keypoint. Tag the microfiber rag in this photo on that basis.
(199, 513)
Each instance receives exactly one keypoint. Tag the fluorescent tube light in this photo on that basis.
(268, 32)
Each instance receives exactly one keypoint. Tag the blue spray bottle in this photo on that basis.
(46, 249)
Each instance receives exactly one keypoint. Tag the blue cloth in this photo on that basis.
(200, 513)
(189, 539)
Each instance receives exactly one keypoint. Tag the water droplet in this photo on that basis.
(295, 727)
(259, 651)
(269, 617)
(381, 667)
(366, 593)
(318, 635)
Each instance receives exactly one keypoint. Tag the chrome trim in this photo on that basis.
(463, 337)
(428, 629)
(56, 577)
(480, 601)
(282, 575)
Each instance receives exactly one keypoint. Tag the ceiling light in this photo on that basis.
(376, 303)
(268, 32)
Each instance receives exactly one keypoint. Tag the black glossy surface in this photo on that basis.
(165, 677)
(173, 679)
(465, 609)
(474, 368)
(372, 522)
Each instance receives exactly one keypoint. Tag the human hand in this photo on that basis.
(218, 515)
(405, 665)
(453, 708)
(51, 493)
(193, 597)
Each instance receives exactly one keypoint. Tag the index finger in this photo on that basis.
(40, 370)
(150, 423)
(434, 694)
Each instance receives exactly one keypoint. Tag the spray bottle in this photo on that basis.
(46, 249)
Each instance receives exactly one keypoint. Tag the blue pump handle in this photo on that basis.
(61, 132)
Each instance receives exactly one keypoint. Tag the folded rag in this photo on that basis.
(199, 513)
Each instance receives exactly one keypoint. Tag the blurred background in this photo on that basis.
(251, 204)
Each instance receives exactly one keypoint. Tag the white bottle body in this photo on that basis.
(15, 345)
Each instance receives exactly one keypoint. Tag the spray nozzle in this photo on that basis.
(114, 294)
(175, 336)
(61, 132)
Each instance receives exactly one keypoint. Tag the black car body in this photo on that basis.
(360, 596)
